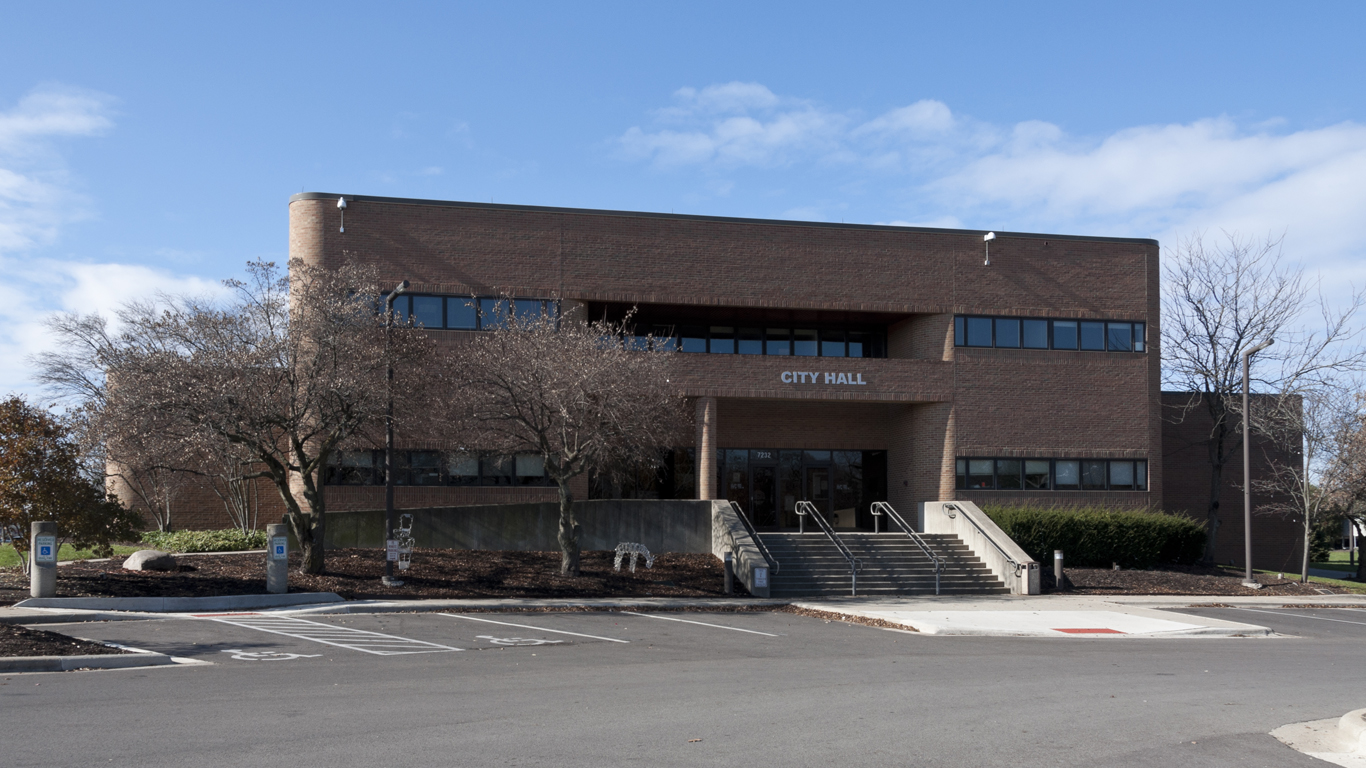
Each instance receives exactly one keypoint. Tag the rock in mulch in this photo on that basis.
(150, 560)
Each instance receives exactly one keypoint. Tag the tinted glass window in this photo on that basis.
(527, 310)
(1064, 334)
(462, 469)
(1066, 475)
(1036, 475)
(424, 468)
(804, 342)
(979, 331)
(960, 335)
(779, 341)
(401, 306)
(979, 473)
(462, 313)
(1141, 475)
(962, 472)
(1007, 332)
(497, 470)
(1139, 330)
(751, 341)
(858, 345)
(492, 313)
(530, 469)
(816, 456)
(1093, 475)
(832, 343)
(723, 339)
(1092, 335)
(692, 338)
(1119, 337)
(1035, 334)
(1008, 475)
(1122, 475)
(427, 311)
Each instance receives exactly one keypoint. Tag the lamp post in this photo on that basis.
(389, 580)
(1247, 469)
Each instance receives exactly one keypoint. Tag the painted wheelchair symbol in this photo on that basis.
(518, 641)
(242, 655)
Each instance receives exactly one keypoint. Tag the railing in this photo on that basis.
(758, 542)
(807, 509)
(881, 508)
(959, 510)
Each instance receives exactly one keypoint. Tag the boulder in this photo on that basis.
(150, 560)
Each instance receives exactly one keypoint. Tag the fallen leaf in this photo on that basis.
(690, 741)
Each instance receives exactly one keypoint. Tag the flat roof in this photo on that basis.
(693, 217)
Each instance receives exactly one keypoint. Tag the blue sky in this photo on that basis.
(154, 146)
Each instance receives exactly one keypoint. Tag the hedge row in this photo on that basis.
(227, 540)
(1097, 537)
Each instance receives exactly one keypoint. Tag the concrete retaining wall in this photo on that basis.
(729, 535)
(957, 517)
(661, 525)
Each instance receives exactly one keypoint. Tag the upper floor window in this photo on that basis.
(1039, 333)
(469, 313)
(770, 340)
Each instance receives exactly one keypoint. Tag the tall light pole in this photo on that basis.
(389, 580)
(1247, 469)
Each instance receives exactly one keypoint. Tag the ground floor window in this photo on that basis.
(437, 468)
(1052, 475)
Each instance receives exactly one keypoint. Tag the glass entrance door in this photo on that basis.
(817, 487)
(763, 494)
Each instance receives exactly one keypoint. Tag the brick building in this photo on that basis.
(836, 363)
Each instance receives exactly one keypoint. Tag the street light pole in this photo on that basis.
(389, 580)
(1248, 581)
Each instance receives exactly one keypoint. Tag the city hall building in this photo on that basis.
(834, 363)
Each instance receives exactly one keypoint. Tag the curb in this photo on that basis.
(418, 606)
(67, 663)
(178, 604)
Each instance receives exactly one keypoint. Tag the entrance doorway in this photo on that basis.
(767, 484)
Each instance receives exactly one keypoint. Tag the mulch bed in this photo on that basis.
(1180, 580)
(355, 574)
(22, 641)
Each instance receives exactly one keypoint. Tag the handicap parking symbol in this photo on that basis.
(518, 641)
(242, 655)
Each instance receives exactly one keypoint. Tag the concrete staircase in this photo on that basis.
(892, 565)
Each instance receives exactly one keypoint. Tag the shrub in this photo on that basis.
(226, 540)
(1097, 537)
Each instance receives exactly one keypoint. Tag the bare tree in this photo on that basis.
(1347, 471)
(1223, 298)
(574, 395)
(288, 368)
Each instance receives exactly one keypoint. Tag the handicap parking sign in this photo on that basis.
(279, 549)
(45, 548)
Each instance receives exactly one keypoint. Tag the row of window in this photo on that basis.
(1052, 475)
(800, 342)
(437, 468)
(1031, 333)
(469, 313)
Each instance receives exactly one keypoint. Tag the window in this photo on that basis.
(462, 469)
(1064, 334)
(1067, 475)
(692, 338)
(1007, 332)
(530, 469)
(1093, 475)
(1092, 335)
(1121, 475)
(1141, 475)
(462, 313)
(493, 313)
(424, 467)
(427, 311)
(496, 470)
(352, 468)
(1139, 339)
(832, 344)
(1036, 475)
(779, 341)
(960, 334)
(1035, 334)
(859, 345)
(804, 342)
(979, 474)
(722, 340)
(1119, 337)
(961, 466)
(751, 341)
(1008, 477)
(979, 331)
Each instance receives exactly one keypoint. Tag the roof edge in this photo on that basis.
(695, 217)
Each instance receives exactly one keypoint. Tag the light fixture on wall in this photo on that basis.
(986, 241)
(341, 204)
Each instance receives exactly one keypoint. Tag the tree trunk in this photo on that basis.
(1216, 476)
(1304, 571)
(569, 531)
(1361, 562)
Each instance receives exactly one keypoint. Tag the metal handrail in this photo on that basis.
(753, 534)
(807, 509)
(1018, 565)
(880, 508)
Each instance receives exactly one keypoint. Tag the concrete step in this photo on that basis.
(811, 564)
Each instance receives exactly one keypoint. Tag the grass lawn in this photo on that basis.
(10, 559)
(1354, 586)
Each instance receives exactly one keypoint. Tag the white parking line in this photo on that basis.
(1302, 616)
(700, 623)
(342, 637)
(528, 626)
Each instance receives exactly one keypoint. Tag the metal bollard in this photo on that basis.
(277, 559)
(730, 575)
(1057, 570)
(42, 560)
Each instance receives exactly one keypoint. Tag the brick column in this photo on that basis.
(706, 447)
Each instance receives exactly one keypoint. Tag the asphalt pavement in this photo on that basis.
(678, 689)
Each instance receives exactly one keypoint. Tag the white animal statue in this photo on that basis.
(627, 548)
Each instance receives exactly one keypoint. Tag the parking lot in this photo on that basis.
(678, 688)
